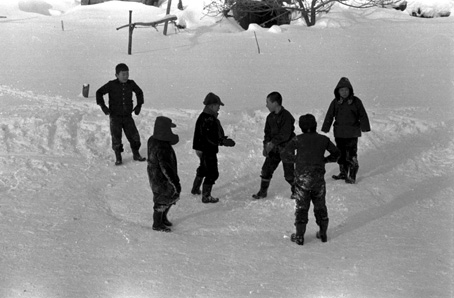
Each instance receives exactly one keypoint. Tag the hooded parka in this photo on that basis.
(349, 116)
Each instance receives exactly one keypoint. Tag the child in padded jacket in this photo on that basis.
(279, 130)
(208, 136)
(350, 119)
(163, 172)
(310, 187)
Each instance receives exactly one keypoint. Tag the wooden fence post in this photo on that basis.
(131, 29)
(169, 3)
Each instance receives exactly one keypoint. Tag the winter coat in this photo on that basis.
(279, 129)
(208, 133)
(120, 97)
(349, 115)
(162, 172)
(310, 152)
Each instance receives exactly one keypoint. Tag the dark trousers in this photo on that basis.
(208, 168)
(348, 148)
(303, 202)
(118, 124)
(272, 162)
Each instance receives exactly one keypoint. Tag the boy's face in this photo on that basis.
(123, 76)
(215, 107)
(344, 92)
(271, 105)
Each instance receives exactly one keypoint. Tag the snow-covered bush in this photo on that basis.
(429, 8)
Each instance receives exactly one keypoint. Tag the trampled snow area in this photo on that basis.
(74, 225)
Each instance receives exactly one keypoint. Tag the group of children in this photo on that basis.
(302, 156)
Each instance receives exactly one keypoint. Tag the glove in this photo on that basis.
(228, 142)
(137, 109)
(105, 109)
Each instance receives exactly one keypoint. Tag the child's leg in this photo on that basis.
(131, 132)
(303, 202)
(342, 161)
(212, 174)
(210, 164)
(352, 159)
(269, 166)
(289, 172)
(116, 127)
(158, 215)
(320, 211)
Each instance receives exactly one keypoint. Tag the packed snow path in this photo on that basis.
(73, 224)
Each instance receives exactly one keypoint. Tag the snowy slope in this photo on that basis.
(74, 225)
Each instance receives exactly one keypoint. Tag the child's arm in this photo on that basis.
(334, 152)
(168, 171)
(329, 118)
(139, 95)
(100, 98)
(288, 154)
(138, 92)
(363, 118)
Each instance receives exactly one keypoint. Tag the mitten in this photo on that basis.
(105, 109)
(137, 109)
(228, 142)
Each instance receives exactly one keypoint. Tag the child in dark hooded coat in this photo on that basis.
(350, 119)
(162, 172)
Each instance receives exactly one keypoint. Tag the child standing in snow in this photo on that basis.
(162, 172)
(208, 136)
(310, 171)
(350, 119)
(279, 130)
(120, 109)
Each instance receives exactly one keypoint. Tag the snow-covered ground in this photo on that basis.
(74, 225)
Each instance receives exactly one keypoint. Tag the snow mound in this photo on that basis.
(44, 7)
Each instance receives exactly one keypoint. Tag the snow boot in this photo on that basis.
(298, 237)
(158, 224)
(118, 160)
(353, 170)
(321, 234)
(206, 194)
(165, 220)
(343, 173)
(196, 185)
(263, 192)
(136, 155)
